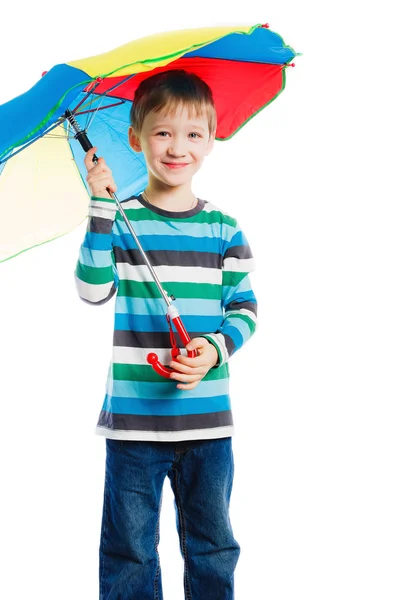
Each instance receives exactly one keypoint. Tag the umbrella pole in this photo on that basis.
(131, 230)
(172, 311)
(87, 145)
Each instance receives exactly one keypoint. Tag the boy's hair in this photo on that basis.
(167, 90)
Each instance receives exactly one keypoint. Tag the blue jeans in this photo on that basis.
(201, 475)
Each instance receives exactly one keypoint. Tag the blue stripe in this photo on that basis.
(239, 296)
(166, 390)
(241, 326)
(234, 334)
(97, 258)
(125, 322)
(97, 241)
(175, 407)
(181, 243)
(150, 227)
(185, 306)
(238, 239)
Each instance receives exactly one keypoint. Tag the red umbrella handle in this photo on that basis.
(152, 357)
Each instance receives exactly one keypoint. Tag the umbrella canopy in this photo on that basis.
(243, 65)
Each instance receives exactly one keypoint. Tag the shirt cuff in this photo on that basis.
(104, 208)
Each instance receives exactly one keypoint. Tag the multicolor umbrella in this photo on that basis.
(245, 66)
(41, 137)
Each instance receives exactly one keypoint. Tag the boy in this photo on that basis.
(156, 427)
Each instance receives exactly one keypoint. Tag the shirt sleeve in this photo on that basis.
(96, 276)
(238, 299)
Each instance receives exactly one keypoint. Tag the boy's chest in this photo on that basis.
(176, 251)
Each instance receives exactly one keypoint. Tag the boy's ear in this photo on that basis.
(134, 141)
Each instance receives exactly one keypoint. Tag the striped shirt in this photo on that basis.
(202, 258)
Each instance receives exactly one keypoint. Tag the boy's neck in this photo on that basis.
(177, 200)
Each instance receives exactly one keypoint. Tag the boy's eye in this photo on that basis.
(192, 133)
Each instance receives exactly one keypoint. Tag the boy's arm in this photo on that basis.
(96, 275)
(239, 301)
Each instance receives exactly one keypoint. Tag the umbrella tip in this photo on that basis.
(266, 25)
(93, 84)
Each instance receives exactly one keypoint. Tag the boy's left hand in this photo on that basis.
(192, 370)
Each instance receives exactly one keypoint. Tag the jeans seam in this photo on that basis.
(156, 541)
(188, 593)
(104, 533)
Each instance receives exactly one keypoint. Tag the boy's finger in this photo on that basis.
(192, 369)
(197, 361)
(188, 386)
(99, 169)
(184, 377)
(91, 151)
(197, 343)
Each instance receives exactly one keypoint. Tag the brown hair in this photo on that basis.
(167, 90)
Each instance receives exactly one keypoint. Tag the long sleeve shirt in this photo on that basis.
(202, 258)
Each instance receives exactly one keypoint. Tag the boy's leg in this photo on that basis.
(129, 562)
(201, 479)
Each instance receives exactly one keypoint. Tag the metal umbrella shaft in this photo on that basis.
(172, 311)
(83, 139)
(129, 226)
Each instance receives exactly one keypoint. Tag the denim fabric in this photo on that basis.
(201, 476)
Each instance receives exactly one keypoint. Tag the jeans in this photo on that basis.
(201, 475)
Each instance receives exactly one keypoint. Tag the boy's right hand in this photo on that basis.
(99, 176)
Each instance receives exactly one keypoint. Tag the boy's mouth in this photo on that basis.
(175, 165)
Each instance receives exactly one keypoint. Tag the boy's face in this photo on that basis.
(173, 138)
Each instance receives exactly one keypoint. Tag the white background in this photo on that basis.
(315, 503)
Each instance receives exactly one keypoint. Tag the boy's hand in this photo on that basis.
(99, 176)
(192, 370)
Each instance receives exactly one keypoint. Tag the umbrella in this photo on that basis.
(43, 129)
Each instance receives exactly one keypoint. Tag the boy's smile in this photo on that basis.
(175, 165)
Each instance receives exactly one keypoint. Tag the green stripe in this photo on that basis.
(232, 278)
(96, 275)
(146, 373)
(245, 318)
(144, 214)
(149, 289)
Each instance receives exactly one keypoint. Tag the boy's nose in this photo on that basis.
(177, 148)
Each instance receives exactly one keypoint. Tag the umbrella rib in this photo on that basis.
(100, 97)
(94, 110)
(32, 141)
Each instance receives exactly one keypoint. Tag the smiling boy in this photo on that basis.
(156, 427)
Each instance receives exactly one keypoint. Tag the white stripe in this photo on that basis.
(92, 292)
(105, 213)
(138, 356)
(245, 265)
(170, 273)
(210, 207)
(166, 436)
(132, 204)
(221, 340)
